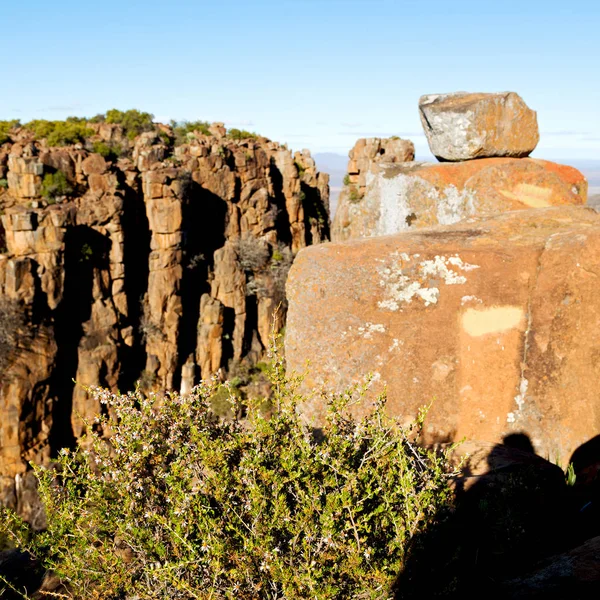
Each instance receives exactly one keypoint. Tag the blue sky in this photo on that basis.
(312, 73)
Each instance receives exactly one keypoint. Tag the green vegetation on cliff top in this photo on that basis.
(76, 130)
(5, 128)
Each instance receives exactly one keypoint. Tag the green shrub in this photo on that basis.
(301, 169)
(133, 121)
(182, 504)
(181, 129)
(99, 118)
(346, 179)
(165, 137)
(5, 128)
(73, 130)
(108, 151)
(3, 183)
(241, 134)
(354, 195)
(55, 185)
(277, 255)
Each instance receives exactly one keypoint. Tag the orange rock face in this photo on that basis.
(415, 195)
(462, 126)
(495, 322)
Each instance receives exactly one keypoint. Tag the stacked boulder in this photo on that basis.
(483, 301)
(483, 142)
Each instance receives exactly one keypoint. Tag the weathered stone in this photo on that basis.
(416, 195)
(94, 164)
(492, 321)
(462, 126)
(364, 157)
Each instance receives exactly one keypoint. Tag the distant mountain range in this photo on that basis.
(336, 165)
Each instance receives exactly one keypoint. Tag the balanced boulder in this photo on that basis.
(463, 126)
(492, 321)
(409, 195)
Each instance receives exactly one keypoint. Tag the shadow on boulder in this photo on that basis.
(508, 515)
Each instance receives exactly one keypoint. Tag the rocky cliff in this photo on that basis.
(158, 267)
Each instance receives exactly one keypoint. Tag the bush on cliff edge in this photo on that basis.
(182, 504)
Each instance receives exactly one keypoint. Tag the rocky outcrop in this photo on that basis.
(463, 126)
(161, 267)
(492, 321)
(499, 130)
(412, 195)
(368, 152)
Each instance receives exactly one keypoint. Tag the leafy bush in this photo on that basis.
(73, 130)
(133, 121)
(346, 179)
(5, 128)
(3, 183)
(55, 185)
(99, 118)
(108, 151)
(181, 129)
(181, 504)
(354, 195)
(241, 134)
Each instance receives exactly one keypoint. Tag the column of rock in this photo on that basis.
(31, 281)
(261, 184)
(163, 196)
(99, 216)
(356, 211)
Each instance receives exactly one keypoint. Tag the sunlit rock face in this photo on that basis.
(413, 195)
(461, 126)
(164, 267)
(493, 321)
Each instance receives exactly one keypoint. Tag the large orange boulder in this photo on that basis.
(462, 126)
(495, 322)
(415, 195)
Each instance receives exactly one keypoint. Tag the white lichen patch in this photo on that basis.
(395, 345)
(520, 397)
(406, 278)
(466, 299)
(394, 198)
(369, 329)
(520, 400)
(453, 205)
